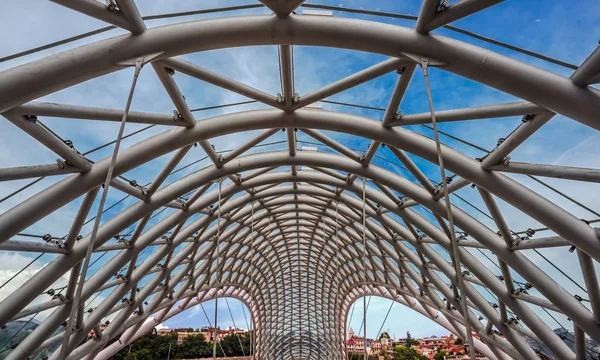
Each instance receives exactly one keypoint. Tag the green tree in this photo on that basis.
(440, 354)
(231, 345)
(194, 346)
(458, 341)
(384, 335)
(410, 341)
(143, 354)
(407, 353)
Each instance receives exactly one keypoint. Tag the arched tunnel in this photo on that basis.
(294, 233)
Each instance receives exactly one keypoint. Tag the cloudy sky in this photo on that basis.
(566, 30)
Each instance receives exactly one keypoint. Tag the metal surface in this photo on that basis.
(298, 247)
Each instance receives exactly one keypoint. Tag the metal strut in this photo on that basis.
(252, 252)
(462, 298)
(235, 327)
(337, 275)
(86, 262)
(215, 330)
(364, 236)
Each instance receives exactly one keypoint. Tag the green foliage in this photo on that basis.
(194, 346)
(384, 335)
(439, 355)
(458, 341)
(156, 347)
(410, 341)
(407, 353)
(143, 354)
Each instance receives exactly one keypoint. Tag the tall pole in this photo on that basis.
(169, 353)
(215, 330)
(364, 235)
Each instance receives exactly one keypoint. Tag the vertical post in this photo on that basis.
(579, 343)
(364, 236)
(252, 259)
(218, 281)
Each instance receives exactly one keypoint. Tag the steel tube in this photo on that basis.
(99, 11)
(553, 171)
(516, 138)
(286, 69)
(92, 113)
(27, 172)
(131, 13)
(457, 11)
(429, 8)
(32, 128)
(344, 165)
(413, 169)
(331, 143)
(398, 94)
(472, 113)
(31, 246)
(248, 145)
(580, 344)
(353, 80)
(525, 81)
(588, 72)
(590, 278)
(494, 210)
(220, 81)
(169, 167)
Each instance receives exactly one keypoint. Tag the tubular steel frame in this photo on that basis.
(295, 258)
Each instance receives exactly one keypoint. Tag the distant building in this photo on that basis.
(208, 332)
(356, 345)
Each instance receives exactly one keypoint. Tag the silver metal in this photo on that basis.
(275, 229)
(553, 171)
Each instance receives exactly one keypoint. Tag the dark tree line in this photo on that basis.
(156, 347)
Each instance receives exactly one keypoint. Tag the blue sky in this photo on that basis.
(566, 30)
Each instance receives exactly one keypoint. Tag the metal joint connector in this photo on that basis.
(177, 116)
(61, 164)
(111, 5)
(444, 5)
(398, 115)
(516, 241)
(527, 118)
(296, 98)
(280, 98)
(61, 297)
(506, 161)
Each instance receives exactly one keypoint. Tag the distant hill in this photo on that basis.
(14, 332)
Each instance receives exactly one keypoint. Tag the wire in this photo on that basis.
(364, 255)
(449, 27)
(209, 324)
(456, 255)
(384, 320)
(235, 327)
(314, 6)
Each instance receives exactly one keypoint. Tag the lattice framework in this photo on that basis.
(291, 241)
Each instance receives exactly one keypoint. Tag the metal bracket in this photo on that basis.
(419, 59)
(141, 60)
